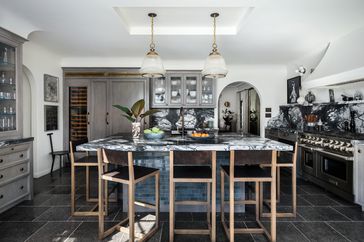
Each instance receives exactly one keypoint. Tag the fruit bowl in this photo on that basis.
(204, 137)
(154, 133)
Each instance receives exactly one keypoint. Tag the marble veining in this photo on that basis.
(4, 143)
(218, 143)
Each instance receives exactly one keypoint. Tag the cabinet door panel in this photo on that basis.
(176, 90)
(191, 89)
(98, 112)
(125, 93)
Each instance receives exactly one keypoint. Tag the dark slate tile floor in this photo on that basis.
(321, 216)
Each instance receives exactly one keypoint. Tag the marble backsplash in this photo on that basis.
(334, 116)
(168, 119)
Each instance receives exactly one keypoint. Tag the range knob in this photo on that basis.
(349, 149)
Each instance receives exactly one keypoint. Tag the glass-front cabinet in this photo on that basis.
(10, 85)
(175, 90)
(207, 91)
(182, 88)
(159, 92)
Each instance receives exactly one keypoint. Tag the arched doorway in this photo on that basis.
(239, 109)
(27, 102)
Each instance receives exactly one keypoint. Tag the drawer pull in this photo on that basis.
(1, 196)
(22, 187)
(22, 169)
(12, 148)
(1, 161)
(21, 155)
(1, 176)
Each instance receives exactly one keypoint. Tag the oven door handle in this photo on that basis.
(310, 148)
(337, 155)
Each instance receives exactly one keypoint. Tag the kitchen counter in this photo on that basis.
(7, 142)
(224, 142)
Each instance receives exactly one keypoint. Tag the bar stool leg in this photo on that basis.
(261, 198)
(222, 196)
(278, 184)
(208, 203)
(131, 211)
(73, 187)
(171, 209)
(257, 201)
(294, 190)
(87, 183)
(231, 205)
(101, 209)
(157, 177)
(213, 236)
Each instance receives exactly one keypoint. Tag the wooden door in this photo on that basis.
(99, 110)
(125, 92)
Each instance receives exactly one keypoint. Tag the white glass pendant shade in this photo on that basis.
(152, 66)
(215, 66)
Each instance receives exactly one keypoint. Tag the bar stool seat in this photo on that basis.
(122, 173)
(192, 172)
(247, 171)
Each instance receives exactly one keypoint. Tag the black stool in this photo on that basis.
(60, 153)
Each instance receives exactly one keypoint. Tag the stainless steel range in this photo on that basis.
(328, 161)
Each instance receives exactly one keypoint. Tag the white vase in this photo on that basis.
(135, 130)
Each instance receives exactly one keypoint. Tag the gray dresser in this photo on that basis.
(16, 172)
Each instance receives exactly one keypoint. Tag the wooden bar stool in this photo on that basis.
(193, 167)
(86, 161)
(244, 167)
(129, 174)
(287, 160)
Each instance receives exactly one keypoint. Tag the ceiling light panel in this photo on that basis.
(183, 20)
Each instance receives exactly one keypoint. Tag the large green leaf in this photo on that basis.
(123, 109)
(149, 112)
(129, 118)
(138, 107)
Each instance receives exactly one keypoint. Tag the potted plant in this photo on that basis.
(135, 115)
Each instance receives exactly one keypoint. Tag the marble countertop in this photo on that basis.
(6, 142)
(222, 142)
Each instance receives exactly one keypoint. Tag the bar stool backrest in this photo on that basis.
(116, 157)
(75, 143)
(251, 157)
(192, 157)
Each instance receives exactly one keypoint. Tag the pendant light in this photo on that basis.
(215, 66)
(152, 65)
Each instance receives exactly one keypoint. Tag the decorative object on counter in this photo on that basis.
(331, 95)
(293, 89)
(358, 96)
(50, 117)
(152, 65)
(228, 117)
(50, 88)
(346, 98)
(301, 70)
(301, 100)
(135, 115)
(319, 125)
(154, 133)
(215, 66)
(310, 97)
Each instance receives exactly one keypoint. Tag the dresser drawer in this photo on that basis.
(13, 191)
(19, 153)
(13, 172)
(14, 148)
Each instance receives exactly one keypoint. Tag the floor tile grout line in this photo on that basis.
(81, 222)
(301, 232)
(328, 224)
(34, 220)
(36, 231)
(341, 213)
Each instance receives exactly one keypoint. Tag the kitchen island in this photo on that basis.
(155, 153)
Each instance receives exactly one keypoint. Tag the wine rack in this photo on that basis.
(78, 113)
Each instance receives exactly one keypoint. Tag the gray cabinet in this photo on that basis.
(11, 121)
(16, 180)
(182, 88)
(122, 87)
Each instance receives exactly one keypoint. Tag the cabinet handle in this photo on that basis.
(359, 151)
(22, 187)
(1, 176)
(21, 155)
(12, 148)
(1, 161)
(22, 169)
(106, 120)
(1, 196)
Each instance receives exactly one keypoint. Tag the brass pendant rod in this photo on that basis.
(152, 44)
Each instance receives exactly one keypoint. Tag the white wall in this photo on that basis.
(41, 61)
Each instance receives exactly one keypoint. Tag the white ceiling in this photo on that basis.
(273, 31)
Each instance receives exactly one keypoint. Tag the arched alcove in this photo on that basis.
(239, 102)
(28, 84)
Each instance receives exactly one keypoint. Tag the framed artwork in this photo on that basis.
(50, 117)
(293, 89)
(50, 88)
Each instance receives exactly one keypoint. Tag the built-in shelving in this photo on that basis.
(78, 113)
